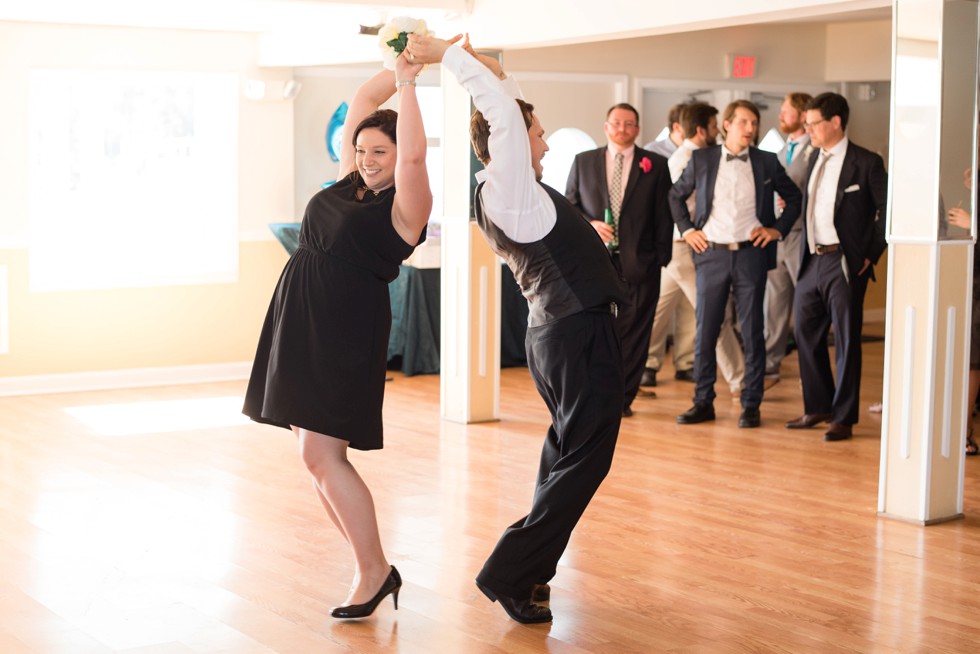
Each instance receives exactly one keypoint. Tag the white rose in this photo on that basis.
(392, 29)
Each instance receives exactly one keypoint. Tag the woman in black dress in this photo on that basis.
(320, 365)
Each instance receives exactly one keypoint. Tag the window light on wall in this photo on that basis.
(133, 179)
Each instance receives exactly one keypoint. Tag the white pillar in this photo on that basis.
(927, 337)
(469, 353)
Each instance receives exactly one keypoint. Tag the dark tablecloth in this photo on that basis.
(414, 342)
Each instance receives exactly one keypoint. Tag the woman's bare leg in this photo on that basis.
(349, 499)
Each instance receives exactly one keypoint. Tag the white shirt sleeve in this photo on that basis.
(512, 197)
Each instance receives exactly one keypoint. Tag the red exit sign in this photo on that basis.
(743, 67)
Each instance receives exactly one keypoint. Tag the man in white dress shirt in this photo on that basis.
(573, 351)
(699, 122)
(733, 232)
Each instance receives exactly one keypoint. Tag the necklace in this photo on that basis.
(371, 190)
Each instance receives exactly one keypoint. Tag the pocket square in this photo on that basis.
(852, 188)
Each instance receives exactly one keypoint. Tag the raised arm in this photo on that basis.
(413, 197)
(514, 200)
(369, 96)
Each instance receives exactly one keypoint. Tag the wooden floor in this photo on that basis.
(702, 539)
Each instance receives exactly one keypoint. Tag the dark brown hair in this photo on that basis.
(628, 107)
(830, 105)
(382, 119)
(695, 115)
(480, 130)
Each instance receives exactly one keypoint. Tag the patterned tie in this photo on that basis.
(811, 239)
(789, 154)
(616, 189)
(740, 157)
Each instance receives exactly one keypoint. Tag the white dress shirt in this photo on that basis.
(824, 232)
(732, 217)
(512, 197)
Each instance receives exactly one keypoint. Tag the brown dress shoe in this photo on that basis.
(837, 432)
(808, 420)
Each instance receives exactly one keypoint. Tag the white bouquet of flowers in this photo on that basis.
(393, 37)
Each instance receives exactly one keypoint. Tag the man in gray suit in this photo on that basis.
(781, 281)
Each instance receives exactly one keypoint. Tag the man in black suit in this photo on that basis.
(631, 184)
(843, 237)
(733, 233)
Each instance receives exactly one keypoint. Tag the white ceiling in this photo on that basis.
(316, 32)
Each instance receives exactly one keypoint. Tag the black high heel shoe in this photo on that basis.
(391, 586)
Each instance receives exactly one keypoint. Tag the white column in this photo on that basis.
(469, 353)
(927, 337)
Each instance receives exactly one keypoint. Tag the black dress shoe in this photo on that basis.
(649, 377)
(540, 593)
(702, 412)
(684, 375)
(522, 610)
(627, 412)
(391, 586)
(837, 432)
(749, 418)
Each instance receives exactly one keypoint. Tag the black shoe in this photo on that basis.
(391, 586)
(627, 412)
(649, 377)
(702, 412)
(837, 431)
(684, 375)
(540, 593)
(522, 610)
(749, 418)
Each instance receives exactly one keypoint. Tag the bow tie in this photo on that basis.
(740, 157)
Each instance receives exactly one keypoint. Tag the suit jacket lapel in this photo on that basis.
(632, 177)
(759, 176)
(599, 171)
(848, 172)
(814, 157)
(711, 172)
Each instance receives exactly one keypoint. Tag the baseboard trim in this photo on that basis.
(131, 378)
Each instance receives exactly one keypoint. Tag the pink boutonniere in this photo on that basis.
(645, 164)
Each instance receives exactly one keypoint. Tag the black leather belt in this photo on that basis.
(609, 307)
(741, 245)
(827, 249)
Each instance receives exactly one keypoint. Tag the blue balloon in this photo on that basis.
(335, 131)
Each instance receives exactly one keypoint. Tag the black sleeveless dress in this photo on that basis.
(322, 356)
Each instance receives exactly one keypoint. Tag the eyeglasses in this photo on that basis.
(816, 122)
(629, 124)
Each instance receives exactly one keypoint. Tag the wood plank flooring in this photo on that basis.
(703, 538)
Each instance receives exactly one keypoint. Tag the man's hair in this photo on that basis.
(798, 100)
(628, 107)
(830, 105)
(480, 130)
(695, 115)
(740, 104)
(384, 119)
(674, 114)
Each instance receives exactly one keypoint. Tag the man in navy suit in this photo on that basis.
(632, 184)
(734, 232)
(843, 237)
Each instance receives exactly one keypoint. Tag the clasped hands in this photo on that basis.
(430, 50)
